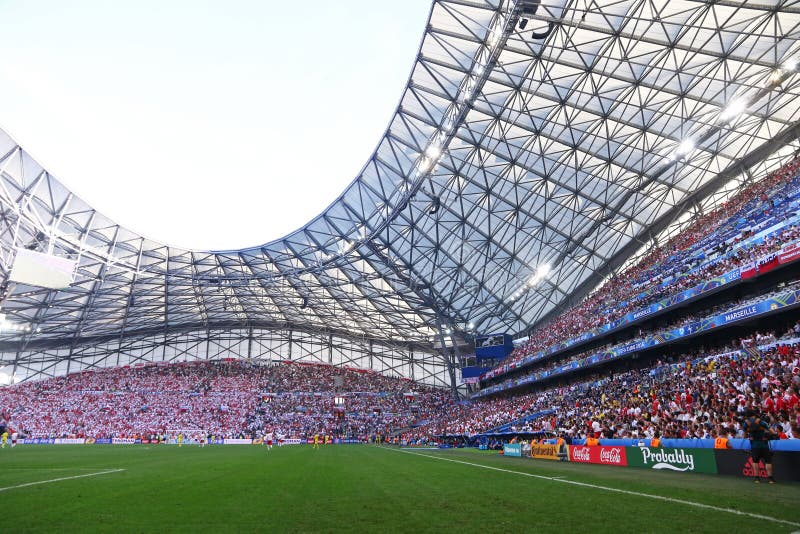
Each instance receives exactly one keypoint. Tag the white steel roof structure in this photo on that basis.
(521, 168)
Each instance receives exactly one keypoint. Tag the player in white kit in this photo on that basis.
(268, 439)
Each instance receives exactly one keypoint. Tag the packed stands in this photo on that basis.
(219, 398)
(687, 395)
(686, 324)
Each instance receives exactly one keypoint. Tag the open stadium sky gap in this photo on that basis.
(200, 124)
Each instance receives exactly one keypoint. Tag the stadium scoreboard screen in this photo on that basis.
(493, 346)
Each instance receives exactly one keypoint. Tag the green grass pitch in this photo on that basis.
(363, 488)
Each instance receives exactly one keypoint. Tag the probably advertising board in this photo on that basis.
(598, 455)
(544, 451)
(123, 441)
(69, 441)
(236, 441)
(512, 449)
(669, 459)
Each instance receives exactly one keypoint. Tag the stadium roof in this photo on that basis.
(520, 169)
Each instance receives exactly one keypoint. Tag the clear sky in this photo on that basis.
(207, 125)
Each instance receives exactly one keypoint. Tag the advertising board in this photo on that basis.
(670, 459)
(598, 455)
(544, 451)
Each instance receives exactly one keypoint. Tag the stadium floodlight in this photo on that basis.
(734, 109)
(433, 152)
(540, 274)
(523, 23)
(685, 148)
(775, 77)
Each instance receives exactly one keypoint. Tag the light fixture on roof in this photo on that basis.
(523, 23)
(543, 33)
(435, 205)
(775, 77)
(540, 274)
(433, 152)
(8, 326)
(734, 109)
(529, 7)
(685, 148)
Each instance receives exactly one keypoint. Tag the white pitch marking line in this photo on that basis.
(60, 479)
(14, 468)
(616, 490)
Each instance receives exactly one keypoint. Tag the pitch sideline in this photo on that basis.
(606, 488)
(60, 479)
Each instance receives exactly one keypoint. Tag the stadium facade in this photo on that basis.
(538, 148)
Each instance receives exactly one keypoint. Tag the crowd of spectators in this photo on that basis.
(686, 396)
(711, 246)
(219, 398)
(541, 367)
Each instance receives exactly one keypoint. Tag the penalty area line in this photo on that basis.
(61, 478)
(607, 488)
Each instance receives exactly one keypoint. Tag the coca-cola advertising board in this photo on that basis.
(598, 455)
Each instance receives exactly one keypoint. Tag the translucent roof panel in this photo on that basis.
(521, 167)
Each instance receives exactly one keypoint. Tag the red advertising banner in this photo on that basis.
(749, 270)
(767, 263)
(598, 455)
(789, 252)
